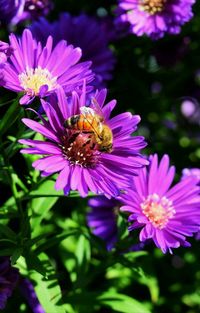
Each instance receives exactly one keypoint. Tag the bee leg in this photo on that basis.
(87, 142)
(87, 132)
(93, 145)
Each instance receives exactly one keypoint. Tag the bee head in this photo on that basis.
(107, 148)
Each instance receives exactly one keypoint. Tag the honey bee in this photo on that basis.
(91, 121)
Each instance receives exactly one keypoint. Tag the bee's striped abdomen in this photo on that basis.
(72, 121)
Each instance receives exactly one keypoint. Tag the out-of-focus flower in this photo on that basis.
(38, 71)
(155, 17)
(27, 290)
(156, 87)
(89, 149)
(190, 108)
(191, 172)
(10, 10)
(5, 51)
(195, 173)
(35, 8)
(14, 11)
(102, 219)
(166, 215)
(8, 280)
(88, 33)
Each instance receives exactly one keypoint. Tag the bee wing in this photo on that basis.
(91, 117)
(87, 111)
(97, 107)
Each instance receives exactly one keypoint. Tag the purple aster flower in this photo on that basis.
(8, 280)
(10, 10)
(35, 8)
(86, 32)
(90, 150)
(5, 52)
(166, 215)
(14, 11)
(155, 17)
(29, 294)
(191, 172)
(38, 71)
(102, 219)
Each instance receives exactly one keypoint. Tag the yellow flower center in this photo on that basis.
(158, 210)
(32, 79)
(152, 6)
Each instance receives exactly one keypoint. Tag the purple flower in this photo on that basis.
(35, 8)
(191, 172)
(8, 279)
(91, 151)
(102, 219)
(166, 215)
(5, 52)
(14, 11)
(10, 10)
(155, 17)
(38, 71)
(83, 31)
(190, 108)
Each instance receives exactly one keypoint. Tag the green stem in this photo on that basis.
(10, 172)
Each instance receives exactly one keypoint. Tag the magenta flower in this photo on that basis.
(86, 32)
(166, 215)
(191, 172)
(100, 158)
(155, 17)
(38, 71)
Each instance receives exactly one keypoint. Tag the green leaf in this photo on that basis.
(83, 255)
(10, 116)
(15, 255)
(47, 289)
(22, 266)
(7, 232)
(152, 283)
(7, 251)
(50, 242)
(122, 303)
(8, 206)
(122, 227)
(34, 262)
(133, 255)
(42, 205)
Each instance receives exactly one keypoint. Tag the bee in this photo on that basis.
(91, 121)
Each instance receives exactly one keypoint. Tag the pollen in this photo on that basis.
(152, 6)
(158, 210)
(80, 149)
(32, 79)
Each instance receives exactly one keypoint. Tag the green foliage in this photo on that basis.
(45, 233)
